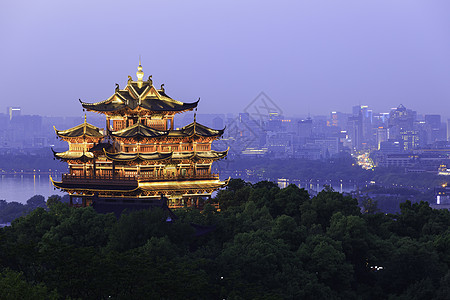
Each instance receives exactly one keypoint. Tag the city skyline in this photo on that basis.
(308, 57)
(26, 111)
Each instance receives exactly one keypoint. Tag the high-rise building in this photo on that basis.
(13, 111)
(409, 139)
(360, 127)
(355, 131)
(400, 120)
(433, 123)
(448, 130)
(382, 136)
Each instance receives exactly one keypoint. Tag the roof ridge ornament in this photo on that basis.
(117, 87)
(162, 88)
(129, 79)
(150, 81)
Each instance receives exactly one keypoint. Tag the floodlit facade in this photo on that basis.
(140, 158)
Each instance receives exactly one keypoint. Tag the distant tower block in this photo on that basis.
(12, 112)
(448, 130)
(140, 159)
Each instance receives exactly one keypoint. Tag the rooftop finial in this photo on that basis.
(150, 81)
(139, 73)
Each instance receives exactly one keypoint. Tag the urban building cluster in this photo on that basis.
(399, 138)
(20, 131)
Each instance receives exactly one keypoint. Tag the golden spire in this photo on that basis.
(139, 73)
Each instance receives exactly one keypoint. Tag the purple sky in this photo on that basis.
(308, 56)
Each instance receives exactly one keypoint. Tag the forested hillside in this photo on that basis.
(266, 243)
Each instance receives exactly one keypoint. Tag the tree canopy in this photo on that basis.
(267, 243)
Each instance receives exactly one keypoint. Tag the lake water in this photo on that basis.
(20, 188)
(315, 186)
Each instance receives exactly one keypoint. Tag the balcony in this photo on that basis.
(175, 177)
(98, 179)
(126, 180)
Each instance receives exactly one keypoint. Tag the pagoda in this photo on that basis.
(140, 158)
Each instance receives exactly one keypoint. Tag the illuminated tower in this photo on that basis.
(140, 158)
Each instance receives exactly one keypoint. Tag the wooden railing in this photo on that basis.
(128, 179)
(177, 177)
(103, 177)
(99, 179)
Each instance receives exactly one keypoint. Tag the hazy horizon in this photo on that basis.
(308, 56)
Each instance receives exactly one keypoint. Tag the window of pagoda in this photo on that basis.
(158, 124)
(170, 171)
(77, 171)
(80, 146)
(202, 169)
(145, 148)
(131, 121)
(128, 171)
(184, 146)
(203, 146)
(118, 124)
(146, 171)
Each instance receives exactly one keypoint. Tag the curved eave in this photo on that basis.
(68, 133)
(195, 129)
(181, 157)
(218, 134)
(100, 147)
(124, 133)
(162, 186)
(199, 135)
(94, 106)
(62, 136)
(94, 188)
(178, 105)
(95, 103)
(61, 156)
(218, 155)
(138, 156)
(106, 106)
(180, 134)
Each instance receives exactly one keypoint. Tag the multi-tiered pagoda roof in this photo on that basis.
(135, 97)
(140, 155)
